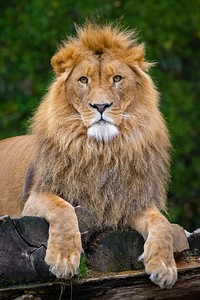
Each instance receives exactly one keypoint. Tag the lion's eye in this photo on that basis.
(83, 79)
(117, 78)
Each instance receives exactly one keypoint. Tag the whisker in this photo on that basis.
(129, 116)
(135, 118)
(73, 117)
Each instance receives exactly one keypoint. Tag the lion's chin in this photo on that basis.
(102, 131)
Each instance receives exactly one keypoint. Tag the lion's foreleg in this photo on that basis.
(64, 245)
(158, 249)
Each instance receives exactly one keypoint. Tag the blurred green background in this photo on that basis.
(31, 31)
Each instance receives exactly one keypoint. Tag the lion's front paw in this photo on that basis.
(63, 265)
(159, 264)
(63, 258)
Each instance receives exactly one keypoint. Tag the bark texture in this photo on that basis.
(24, 274)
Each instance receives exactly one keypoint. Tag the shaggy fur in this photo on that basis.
(114, 179)
(98, 140)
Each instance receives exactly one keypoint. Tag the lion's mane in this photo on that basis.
(114, 179)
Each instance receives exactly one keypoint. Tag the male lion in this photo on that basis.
(98, 140)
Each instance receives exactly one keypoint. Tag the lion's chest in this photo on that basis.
(105, 193)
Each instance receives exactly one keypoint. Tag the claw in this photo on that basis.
(141, 257)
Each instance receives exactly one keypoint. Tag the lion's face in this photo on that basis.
(101, 92)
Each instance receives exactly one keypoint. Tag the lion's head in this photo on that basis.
(101, 91)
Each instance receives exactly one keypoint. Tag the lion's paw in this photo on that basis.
(63, 260)
(64, 266)
(161, 274)
(161, 266)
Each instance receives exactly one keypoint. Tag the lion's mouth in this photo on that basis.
(102, 122)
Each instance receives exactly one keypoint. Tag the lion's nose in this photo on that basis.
(101, 107)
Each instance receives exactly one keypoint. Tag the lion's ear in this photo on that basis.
(137, 57)
(66, 58)
(58, 64)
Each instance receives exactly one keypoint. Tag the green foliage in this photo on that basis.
(31, 31)
(83, 269)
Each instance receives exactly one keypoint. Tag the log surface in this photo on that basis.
(23, 244)
(24, 274)
(22, 250)
(122, 286)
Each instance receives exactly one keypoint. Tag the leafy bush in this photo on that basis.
(30, 32)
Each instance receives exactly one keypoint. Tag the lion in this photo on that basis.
(98, 139)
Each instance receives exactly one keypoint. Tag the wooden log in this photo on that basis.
(22, 250)
(127, 286)
(194, 242)
(23, 245)
(115, 251)
(119, 250)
